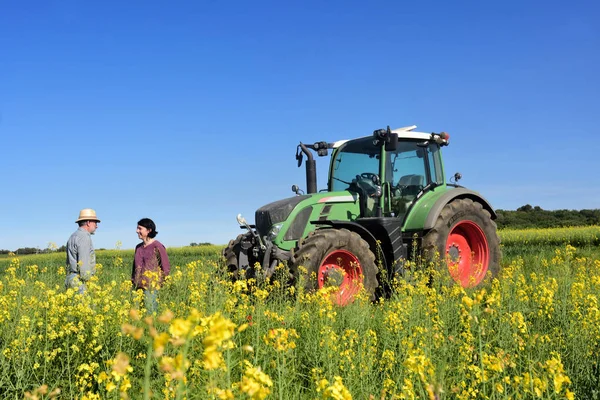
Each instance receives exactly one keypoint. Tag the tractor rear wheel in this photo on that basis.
(339, 258)
(466, 237)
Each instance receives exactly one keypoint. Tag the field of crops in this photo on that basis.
(577, 236)
(532, 333)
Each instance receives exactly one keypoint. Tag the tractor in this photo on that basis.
(387, 201)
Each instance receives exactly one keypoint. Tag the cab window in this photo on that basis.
(353, 159)
(407, 166)
(435, 164)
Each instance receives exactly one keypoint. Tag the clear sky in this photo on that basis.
(189, 112)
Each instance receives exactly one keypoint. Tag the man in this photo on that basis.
(81, 258)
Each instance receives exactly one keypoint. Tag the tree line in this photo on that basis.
(33, 250)
(63, 248)
(528, 216)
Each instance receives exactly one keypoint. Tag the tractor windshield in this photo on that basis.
(354, 158)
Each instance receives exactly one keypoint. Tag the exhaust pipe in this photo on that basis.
(311, 170)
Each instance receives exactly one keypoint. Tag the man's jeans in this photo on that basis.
(74, 281)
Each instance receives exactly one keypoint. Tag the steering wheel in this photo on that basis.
(401, 189)
(368, 175)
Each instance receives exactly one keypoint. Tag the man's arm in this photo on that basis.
(72, 266)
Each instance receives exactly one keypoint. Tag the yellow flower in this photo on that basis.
(180, 328)
(166, 317)
(281, 339)
(467, 301)
(499, 388)
(336, 391)
(159, 344)
(221, 329)
(222, 394)
(110, 386)
(175, 367)
(121, 366)
(220, 332)
(255, 383)
(212, 358)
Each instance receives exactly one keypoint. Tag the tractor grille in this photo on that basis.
(275, 212)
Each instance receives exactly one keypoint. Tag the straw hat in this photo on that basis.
(87, 214)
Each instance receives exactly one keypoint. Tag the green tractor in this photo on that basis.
(386, 201)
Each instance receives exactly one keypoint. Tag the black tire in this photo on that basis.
(230, 253)
(465, 226)
(320, 245)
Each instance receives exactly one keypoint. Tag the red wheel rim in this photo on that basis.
(342, 269)
(467, 253)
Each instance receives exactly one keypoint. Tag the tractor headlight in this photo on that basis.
(274, 231)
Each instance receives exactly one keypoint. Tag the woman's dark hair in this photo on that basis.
(148, 224)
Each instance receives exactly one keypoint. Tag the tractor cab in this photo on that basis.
(388, 170)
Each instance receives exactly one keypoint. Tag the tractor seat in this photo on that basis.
(410, 185)
(405, 192)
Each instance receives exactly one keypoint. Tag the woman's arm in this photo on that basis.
(165, 265)
(135, 279)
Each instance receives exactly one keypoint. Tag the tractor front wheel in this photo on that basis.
(466, 238)
(230, 254)
(338, 258)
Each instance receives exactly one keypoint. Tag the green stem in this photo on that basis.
(280, 378)
(147, 370)
(480, 355)
(183, 360)
(45, 344)
(69, 365)
(228, 368)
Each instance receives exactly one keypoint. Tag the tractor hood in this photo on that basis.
(275, 212)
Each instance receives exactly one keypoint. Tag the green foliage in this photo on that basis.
(194, 244)
(534, 217)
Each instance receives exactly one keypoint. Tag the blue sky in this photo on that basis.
(190, 112)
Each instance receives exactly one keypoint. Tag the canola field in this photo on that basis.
(533, 333)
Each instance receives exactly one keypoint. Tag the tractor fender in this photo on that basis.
(451, 195)
(361, 230)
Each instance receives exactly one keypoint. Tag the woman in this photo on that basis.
(150, 263)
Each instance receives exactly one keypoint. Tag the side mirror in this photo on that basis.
(387, 137)
(299, 156)
(297, 190)
(241, 220)
(392, 142)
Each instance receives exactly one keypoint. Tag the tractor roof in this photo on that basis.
(406, 132)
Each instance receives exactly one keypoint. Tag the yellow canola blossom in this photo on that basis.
(255, 383)
(221, 330)
(335, 390)
(281, 339)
